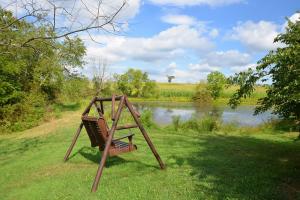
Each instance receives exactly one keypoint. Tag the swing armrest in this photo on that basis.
(124, 136)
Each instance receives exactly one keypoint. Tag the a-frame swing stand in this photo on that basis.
(100, 134)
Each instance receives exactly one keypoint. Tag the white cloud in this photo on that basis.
(168, 44)
(203, 67)
(183, 76)
(130, 10)
(295, 17)
(257, 36)
(237, 69)
(228, 58)
(172, 65)
(179, 19)
(170, 69)
(188, 76)
(195, 2)
(231, 60)
(214, 33)
(202, 27)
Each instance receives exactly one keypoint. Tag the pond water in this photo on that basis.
(242, 116)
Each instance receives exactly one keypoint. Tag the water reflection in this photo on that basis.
(243, 115)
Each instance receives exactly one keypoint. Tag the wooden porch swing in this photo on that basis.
(100, 135)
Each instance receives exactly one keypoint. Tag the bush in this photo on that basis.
(205, 124)
(26, 114)
(176, 122)
(209, 123)
(202, 95)
(147, 119)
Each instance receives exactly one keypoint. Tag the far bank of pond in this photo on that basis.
(163, 112)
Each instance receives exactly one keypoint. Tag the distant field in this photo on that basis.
(176, 90)
(183, 92)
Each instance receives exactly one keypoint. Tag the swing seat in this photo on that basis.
(97, 131)
(100, 135)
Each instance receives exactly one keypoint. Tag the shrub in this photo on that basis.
(202, 95)
(147, 119)
(26, 114)
(176, 122)
(206, 124)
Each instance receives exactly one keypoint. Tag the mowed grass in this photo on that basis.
(244, 164)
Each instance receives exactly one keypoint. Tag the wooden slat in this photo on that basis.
(117, 98)
(126, 126)
(113, 107)
(95, 127)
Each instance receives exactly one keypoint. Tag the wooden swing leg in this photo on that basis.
(150, 144)
(101, 165)
(107, 146)
(73, 142)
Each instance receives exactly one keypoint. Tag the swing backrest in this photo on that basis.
(96, 129)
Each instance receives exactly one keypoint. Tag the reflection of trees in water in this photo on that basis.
(169, 110)
(140, 107)
(202, 110)
(217, 112)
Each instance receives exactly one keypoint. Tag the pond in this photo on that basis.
(242, 116)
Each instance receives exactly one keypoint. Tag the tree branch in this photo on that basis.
(89, 27)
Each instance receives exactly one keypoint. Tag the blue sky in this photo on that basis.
(185, 38)
(191, 38)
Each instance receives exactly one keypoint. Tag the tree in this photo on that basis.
(32, 76)
(216, 82)
(100, 77)
(40, 68)
(136, 83)
(170, 78)
(40, 51)
(282, 67)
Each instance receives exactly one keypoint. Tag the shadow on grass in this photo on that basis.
(94, 155)
(13, 147)
(228, 167)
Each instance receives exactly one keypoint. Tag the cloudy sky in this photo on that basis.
(190, 38)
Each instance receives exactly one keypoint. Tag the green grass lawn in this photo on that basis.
(241, 164)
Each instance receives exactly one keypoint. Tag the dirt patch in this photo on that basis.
(67, 119)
